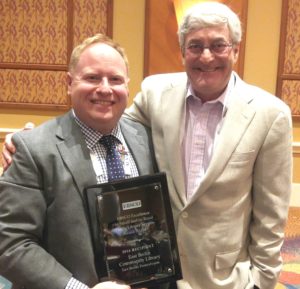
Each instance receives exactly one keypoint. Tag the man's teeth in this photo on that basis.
(102, 102)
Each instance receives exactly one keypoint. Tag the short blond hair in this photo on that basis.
(97, 38)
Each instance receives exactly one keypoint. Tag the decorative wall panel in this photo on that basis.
(37, 37)
(31, 31)
(36, 87)
(288, 80)
(290, 93)
(90, 17)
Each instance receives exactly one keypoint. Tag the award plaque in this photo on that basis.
(133, 232)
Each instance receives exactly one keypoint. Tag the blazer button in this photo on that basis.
(185, 215)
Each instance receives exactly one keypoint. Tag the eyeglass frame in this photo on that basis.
(210, 47)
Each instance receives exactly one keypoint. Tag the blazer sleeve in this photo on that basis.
(139, 110)
(22, 217)
(271, 190)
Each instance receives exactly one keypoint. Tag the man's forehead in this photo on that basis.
(219, 31)
(101, 52)
(101, 49)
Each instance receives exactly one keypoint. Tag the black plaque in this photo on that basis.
(133, 231)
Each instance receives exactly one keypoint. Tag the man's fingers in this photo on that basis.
(4, 163)
(8, 146)
(110, 285)
(6, 158)
(29, 125)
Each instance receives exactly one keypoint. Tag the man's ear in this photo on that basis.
(236, 50)
(127, 82)
(69, 82)
(182, 52)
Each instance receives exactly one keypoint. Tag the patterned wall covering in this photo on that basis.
(90, 17)
(19, 86)
(288, 85)
(290, 93)
(37, 37)
(31, 31)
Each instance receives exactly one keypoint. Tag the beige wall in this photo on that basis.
(262, 43)
(129, 32)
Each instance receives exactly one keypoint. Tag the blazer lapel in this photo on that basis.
(74, 152)
(173, 127)
(136, 145)
(237, 119)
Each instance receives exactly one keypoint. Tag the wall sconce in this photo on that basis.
(181, 6)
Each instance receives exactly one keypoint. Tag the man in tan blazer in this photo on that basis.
(226, 148)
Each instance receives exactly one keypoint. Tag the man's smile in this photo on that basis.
(102, 102)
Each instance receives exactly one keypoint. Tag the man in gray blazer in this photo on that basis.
(226, 148)
(45, 240)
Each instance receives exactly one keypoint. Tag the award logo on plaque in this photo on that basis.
(133, 231)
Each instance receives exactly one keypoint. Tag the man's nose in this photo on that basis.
(207, 54)
(104, 86)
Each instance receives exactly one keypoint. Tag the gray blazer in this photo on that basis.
(44, 235)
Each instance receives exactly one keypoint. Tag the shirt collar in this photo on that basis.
(223, 98)
(92, 136)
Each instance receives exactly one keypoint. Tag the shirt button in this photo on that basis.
(185, 215)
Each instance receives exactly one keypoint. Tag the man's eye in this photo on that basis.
(195, 46)
(219, 45)
(93, 78)
(117, 80)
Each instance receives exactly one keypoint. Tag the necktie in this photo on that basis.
(114, 165)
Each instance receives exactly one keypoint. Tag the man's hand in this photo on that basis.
(8, 147)
(110, 285)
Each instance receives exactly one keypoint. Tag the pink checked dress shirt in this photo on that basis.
(203, 123)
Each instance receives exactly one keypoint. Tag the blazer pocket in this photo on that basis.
(226, 259)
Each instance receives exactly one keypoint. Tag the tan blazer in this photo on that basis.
(230, 232)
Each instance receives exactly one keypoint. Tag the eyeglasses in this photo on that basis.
(215, 48)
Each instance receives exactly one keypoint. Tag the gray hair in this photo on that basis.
(209, 14)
